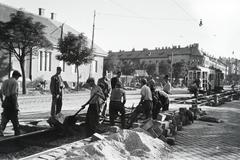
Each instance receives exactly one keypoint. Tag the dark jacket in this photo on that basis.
(55, 85)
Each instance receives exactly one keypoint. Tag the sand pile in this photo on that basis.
(125, 145)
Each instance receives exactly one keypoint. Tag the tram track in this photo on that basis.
(38, 141)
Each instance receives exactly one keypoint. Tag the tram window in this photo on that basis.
(211, 76)
(222, 76)
(198, 74)
(190, 75)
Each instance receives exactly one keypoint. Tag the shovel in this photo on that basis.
(71, 120)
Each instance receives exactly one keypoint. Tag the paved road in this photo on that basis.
(211, 141)
(200, 140)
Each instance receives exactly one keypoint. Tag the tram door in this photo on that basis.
(204, 80)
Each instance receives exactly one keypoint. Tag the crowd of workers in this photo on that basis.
(150, 104)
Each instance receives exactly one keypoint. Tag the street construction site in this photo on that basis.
(203, 129)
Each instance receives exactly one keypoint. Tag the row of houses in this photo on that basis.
(44, 63)
(190, 54)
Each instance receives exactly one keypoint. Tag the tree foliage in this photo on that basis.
(179, 70)
(75, 51)
(151, 69)
(112, 62)
(4, 66)
(21, 36)
(164, 67)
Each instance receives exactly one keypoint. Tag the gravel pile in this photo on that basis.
(125, 145)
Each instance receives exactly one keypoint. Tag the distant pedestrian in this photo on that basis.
(106, 89)
(116, 79)
(117, 102)
(145, 105)
(92, 118)
(167, 85)
(56, 87)
(10, 103)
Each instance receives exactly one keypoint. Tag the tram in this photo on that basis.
(211, 79)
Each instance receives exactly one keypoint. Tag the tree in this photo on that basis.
(22, 36)
(164, 68)
(74, 51)
(112, 63)
(151, 69)
(179, 70)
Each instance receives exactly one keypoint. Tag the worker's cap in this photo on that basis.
(16, 73)
(144, 81)
(59, 69)
(90, 79)
(151, 82)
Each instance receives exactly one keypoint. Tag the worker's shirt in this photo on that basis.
(117, 94)
(146, 93)
(96, 98)
(10, 87)
(167, 88)
(163, 97)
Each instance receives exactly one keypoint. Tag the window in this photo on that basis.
(40, 60)
(62, 65)
(94, 66)
(190, 76)
(45, 59)
(74, 69)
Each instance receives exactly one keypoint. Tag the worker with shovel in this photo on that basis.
(92, 118)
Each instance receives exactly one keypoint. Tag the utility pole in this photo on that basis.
(90, 69)
(171, 69)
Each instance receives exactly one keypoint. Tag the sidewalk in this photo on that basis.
(211, 141)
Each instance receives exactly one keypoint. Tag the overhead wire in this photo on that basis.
(145, 18)
(202, 25)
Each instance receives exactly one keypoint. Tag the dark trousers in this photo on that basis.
(10, 113)
(56, 104)
(114, 108)
(145, 107)
(92, 120)
(158, 107)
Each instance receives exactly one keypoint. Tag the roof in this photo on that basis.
(159, 53)
(52, 33)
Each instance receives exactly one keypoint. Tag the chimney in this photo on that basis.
(53, 16)
(41, 11)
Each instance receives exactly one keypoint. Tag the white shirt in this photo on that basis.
(146, 92)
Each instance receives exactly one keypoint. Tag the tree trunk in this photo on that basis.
(77, 77)
(22, 64)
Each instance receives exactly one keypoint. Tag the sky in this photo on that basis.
(138, 24)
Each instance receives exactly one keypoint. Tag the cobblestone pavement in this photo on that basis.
(211, 141)
(198, 141)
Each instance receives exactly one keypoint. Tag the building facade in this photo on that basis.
(191, 54)
(43, 62)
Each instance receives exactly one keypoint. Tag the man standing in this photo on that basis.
(145, 104)
(92, 117)
(56, 87)
(106, 89)
(167, 86)
(116, 79)
(117, 101)
(10, 103)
